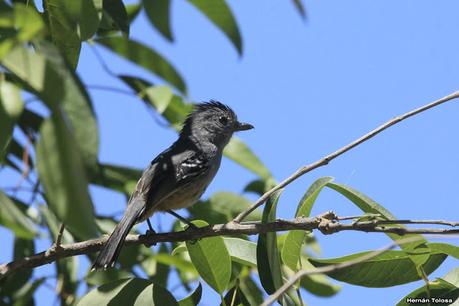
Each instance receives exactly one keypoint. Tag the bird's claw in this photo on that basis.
(147, 234)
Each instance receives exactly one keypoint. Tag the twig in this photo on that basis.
(320, 222)
(332, 268)
(324, 161)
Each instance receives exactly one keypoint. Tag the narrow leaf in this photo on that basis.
(13, 218)
(240, 153)
(268, 257)
(389, 269)
(293, 243)
(242, 251)
(11, 107)
(211, 259)
(367, 205)
(193, 299)
(220, 14)
(145, 57)
(61, 172)
(158, 12)
(133, 291)
(115, 16)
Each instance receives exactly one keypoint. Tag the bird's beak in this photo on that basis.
(243, 126)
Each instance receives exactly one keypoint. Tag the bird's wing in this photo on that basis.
(167, 174)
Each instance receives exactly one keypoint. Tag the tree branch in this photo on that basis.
(325, 160)
(321, 222)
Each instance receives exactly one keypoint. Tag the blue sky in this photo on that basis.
(308, 88)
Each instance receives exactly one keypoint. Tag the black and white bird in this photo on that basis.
(178, 176)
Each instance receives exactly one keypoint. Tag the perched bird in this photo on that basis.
(178, 176)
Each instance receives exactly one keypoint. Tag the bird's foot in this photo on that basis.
(148, 233)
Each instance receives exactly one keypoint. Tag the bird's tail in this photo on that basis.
(111, 250)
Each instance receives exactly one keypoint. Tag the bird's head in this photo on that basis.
(212, 122)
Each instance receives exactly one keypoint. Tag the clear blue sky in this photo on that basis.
(308, 88)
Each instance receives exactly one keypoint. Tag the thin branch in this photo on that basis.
(320, 222)
(332, 268)
(324, 161)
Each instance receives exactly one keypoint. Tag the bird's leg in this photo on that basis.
(150, 230)
(190, 225)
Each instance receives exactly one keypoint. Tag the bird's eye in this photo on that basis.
(223, 120)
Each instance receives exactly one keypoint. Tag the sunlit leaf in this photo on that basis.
(242, 251)
(13, 218)
(211, 259)
(444, 248)
(293, 243)
(133, 291)
(220, 14)
(239, 152)
(46, 74)
(145, 57)
(11, 107)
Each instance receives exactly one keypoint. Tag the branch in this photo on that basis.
(331, 268)
(324, 161)
(327, 223)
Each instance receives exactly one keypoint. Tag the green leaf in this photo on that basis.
(193, 299)
(242, 251)
(251, 291)
(77, 106)
(211, 259)
(145, 57)
(158, 12)
(223, 207)
(114, 17)
(268, 257)
(317, 284)
(155, 295)
(119, 178)
(61, 172)
(240, 153)
(20, 24)
(17, 280)
(220, 14)
(11, 107)
(367, 205)
(444, 248)
(81, 17)
(300, 8)
(235, 296)
(175, 112)
(391, 268)
(13, 218)
(47, 75)
(446, 288)
(97, 278)
(134, 291)
(159, 271)
(293, 243)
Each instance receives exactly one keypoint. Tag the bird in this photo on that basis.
(179, 175)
